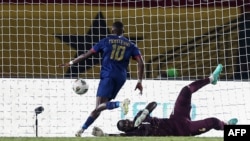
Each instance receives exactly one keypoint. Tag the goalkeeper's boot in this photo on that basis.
(215, 75)
(79, 133)
(232, 121)
(141, 118)
(124, 106)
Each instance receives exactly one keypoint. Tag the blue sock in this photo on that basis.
(112, 105)
(88, 122)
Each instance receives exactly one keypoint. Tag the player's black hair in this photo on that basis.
(120, 125)
(118, 25)
(118, 28)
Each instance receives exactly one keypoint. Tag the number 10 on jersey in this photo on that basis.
(117, 52)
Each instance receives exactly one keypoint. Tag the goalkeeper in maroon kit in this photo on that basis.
(179, 123)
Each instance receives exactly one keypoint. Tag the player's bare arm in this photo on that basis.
(140, 66)
(78, 59)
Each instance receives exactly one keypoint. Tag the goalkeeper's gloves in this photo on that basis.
(141, 118)
(98, 132)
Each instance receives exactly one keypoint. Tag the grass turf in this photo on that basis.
(111, 139)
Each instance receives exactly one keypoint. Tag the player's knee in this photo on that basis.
(186, 91)
(95, 113)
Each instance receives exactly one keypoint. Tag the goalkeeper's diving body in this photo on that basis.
(116, 51)
(179, 123)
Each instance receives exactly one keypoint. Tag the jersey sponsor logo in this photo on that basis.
(145, 123)
(202, 129)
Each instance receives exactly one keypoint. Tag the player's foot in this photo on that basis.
(232, 121)
(79, 133)
(215, 75)
(124, 106)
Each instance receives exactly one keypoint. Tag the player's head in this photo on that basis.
(118, 28)
(125, 125)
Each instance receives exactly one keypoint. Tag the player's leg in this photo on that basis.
(117, 87)
(97, 111)
(93, 115)
(213, 78)
(182, 105)
(203, 126)
(107, 90)
(102, 96)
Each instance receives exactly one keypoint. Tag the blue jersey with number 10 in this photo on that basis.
(116, 53)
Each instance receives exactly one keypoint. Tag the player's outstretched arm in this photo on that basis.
(140, 66)
(78, 59)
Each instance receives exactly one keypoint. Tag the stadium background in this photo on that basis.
(36, 37)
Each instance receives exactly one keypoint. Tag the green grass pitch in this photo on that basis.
(111, 139)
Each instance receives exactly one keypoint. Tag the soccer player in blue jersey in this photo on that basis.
(179, 123)
(116, 53)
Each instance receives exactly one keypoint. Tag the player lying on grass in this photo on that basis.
(179, 123)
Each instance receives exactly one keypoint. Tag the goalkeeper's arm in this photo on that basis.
(145, 112)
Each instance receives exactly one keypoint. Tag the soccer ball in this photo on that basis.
(80, 86)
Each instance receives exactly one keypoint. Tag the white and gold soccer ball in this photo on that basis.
(80, 86)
